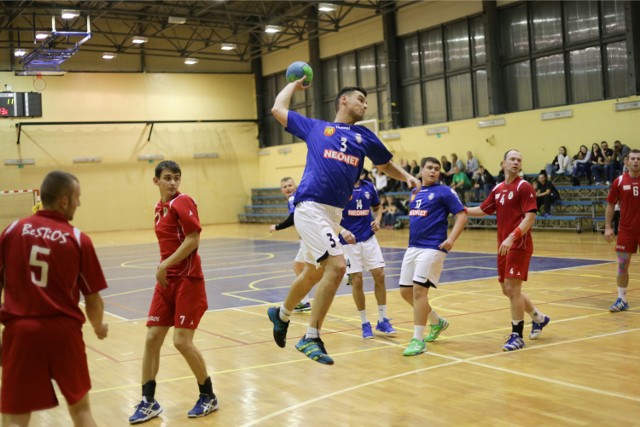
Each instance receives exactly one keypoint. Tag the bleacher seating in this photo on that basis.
(581, 208)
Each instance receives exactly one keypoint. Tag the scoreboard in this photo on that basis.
(20, 104)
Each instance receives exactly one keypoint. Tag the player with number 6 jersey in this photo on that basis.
(625, 190)
(45, 264)
(336, 152)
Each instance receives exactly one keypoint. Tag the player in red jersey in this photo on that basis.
(514, 203)
(45, 263)
(180, 299)
(625, 190)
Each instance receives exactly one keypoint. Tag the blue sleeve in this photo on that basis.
(376, 150)
(299, 125)
(454, 205)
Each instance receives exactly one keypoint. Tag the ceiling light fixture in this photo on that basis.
(327, 7)
(109, 55)
(139, 40)
(228, 46)
(271, 29)
(178, 20)
(70, 13)
(20, 52)
(41, 35)
(191, 61)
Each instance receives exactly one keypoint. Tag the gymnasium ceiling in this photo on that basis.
(207, 25)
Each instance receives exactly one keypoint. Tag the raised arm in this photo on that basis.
(281, 104)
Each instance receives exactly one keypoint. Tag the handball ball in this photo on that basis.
(300, 69)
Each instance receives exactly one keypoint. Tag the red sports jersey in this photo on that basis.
(45, 263)
(510, 202)
(626, 191)
(176, 219)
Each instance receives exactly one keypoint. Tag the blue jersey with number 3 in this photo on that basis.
(335, 158)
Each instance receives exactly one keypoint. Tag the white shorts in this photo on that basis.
(421, 266)
(316, 224)
(300, 255)
(363, 256)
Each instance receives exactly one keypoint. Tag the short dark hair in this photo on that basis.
(167, 164)
(345, 91)
(55, 186)
(424, 161)
(634, 151)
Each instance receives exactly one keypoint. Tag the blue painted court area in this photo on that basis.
(242, 272)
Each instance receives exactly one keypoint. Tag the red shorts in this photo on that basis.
(35, 351)
(627, 243)
(181, 304)
(515, 265)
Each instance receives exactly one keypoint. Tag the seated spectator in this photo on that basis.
(608, 158)
(472, 166)
(597, 164)
(581, 165)
(546, 194)
(561, 164)
(415, 169)
(365, 176)
(483, 184)
(455, 161)
(444, 172)
(380, 180)
(615, 168)
(391, 209)
(460, 183)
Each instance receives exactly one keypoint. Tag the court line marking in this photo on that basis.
(455, 361)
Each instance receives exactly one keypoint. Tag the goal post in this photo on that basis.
(371, 124)
(16, 204)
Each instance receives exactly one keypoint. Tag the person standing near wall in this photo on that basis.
(45, 264)
(625, 190)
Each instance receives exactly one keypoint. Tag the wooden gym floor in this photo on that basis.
(583, 370)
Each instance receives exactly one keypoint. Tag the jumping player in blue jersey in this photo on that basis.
(359, 226)
(422, 265)
(335, 158)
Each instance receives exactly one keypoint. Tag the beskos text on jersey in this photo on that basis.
(44, 233)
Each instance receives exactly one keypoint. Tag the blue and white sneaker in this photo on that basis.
(279, 326)
(204, 406)
(536, 328)
(314, 349)
(513, 343)
(367, 334)
(302, 307)
(145, 411)
(385, 327)
(619, 305)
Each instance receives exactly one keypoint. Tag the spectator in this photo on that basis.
(391, 209)
(446, 168)
(460, 182)
(597, 164)
(561, 164)
(546, 194)
(455, 161)
(380, 180)
(415, 169)
(472, 166)
(615, 168)
(483, 184)
(581, 164)
(365, 175)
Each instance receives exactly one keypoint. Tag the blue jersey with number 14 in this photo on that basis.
(335, 158)
(356, 217)
(429, 209)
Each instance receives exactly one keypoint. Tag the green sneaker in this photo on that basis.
(415, 347)
(436, 329)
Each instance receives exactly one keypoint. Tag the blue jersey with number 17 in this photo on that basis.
(335, 158)
(429, 209)
(356, 217)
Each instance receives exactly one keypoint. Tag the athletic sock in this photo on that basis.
(149, 390)
(312, 333)
(418, 332)
(284, 314)
(382, 312)
(622, 294)
(206, 388)
(434, 319)
(537, 316)
(363, 316)
(517, 327)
